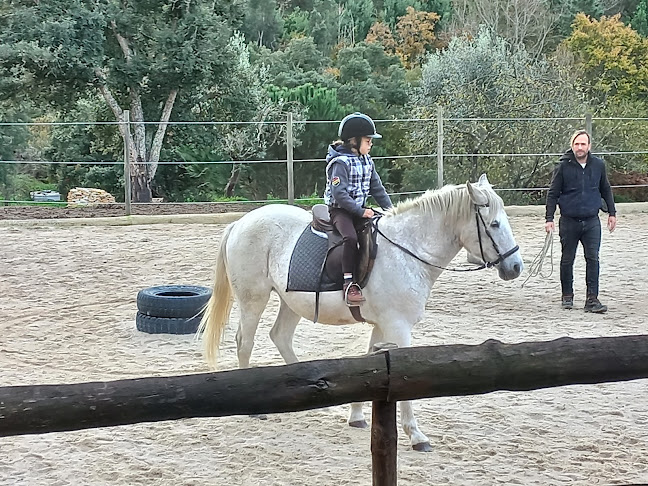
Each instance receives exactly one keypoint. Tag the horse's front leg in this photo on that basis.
(418, 439)
(356, 415)
(401, 335)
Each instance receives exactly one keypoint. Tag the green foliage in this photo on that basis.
(639, 20)
(484, 77)
(307, 57)
(612, 59)
(132, 55)
(297, 24)
(193, 181)
(356, 17)
(371, 80)
(18, 186)
(322, 103)
(263, 23)
(324, 24)
(567, 12)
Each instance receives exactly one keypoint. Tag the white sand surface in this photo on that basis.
(67, 315)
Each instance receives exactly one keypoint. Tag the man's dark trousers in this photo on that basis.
(588, 232)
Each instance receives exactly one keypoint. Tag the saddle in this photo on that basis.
(367, 247)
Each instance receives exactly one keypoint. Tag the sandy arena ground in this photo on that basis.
(67, 311)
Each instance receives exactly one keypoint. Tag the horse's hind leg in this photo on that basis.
(251, 309)
(282, 332)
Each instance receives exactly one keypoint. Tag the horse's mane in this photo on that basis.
(453, 200)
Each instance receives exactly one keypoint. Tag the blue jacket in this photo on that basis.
(577, 190)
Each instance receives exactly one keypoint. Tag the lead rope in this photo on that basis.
(536, 266)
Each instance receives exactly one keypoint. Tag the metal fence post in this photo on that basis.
(439, 147)
(127, 167)
(289, 159)
(588, 124)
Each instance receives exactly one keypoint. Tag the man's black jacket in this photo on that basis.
(577, 190)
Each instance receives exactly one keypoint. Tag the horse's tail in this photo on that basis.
(217, 311)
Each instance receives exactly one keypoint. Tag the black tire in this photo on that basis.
(173, 300)
(166, 325)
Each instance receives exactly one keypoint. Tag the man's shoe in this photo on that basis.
(353, 295)
(567, 302)
(592, 304)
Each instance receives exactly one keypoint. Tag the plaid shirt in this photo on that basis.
(360, 169)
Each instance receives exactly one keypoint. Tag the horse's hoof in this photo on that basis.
(422, 447)
(359, 424)
(260, 416)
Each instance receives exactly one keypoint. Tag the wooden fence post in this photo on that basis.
(384, 444)
(384, 435)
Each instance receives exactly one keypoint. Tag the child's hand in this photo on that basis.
(368, 213)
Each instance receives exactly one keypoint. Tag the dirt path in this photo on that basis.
(67, 312)
(116, 210)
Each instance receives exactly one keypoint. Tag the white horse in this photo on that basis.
(255, 251)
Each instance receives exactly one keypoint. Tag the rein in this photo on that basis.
(535, 268)
(478, 216)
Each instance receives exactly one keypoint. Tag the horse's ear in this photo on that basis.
(476, 194)
(483, 181)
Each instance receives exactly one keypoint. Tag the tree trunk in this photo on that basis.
(233, 180)
(144, 164)
(141, 188)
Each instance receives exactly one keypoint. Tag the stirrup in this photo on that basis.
(346, 295)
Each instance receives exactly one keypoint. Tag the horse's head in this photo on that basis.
(489, 237)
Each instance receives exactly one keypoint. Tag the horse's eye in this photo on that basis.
(495, 224)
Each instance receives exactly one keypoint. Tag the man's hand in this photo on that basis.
(611, 223)
(550, 226)
(368, 213)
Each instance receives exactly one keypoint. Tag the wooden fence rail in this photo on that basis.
(384, 378)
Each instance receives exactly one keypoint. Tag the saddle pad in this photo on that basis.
(306, 262)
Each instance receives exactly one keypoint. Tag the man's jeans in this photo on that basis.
(588, 232)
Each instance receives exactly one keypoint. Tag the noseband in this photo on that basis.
(500, 256)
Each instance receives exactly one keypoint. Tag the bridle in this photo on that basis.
(500, 256)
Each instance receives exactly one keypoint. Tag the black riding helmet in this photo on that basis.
(357, 125)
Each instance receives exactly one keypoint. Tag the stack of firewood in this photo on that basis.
(88, 195)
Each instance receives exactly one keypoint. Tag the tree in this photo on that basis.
(355, 19)
(611, 57)
(523, 23)
(380, 33)
(254, 124)
(140, 55)
(299, 62)
(13, 140)
(567, 11)
(371, 81)
(415, 32)
(263, 23)
(484, 77)
(639, 20)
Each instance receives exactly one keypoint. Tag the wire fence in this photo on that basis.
(442, 135)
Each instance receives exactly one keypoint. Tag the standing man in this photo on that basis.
(579, 182)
